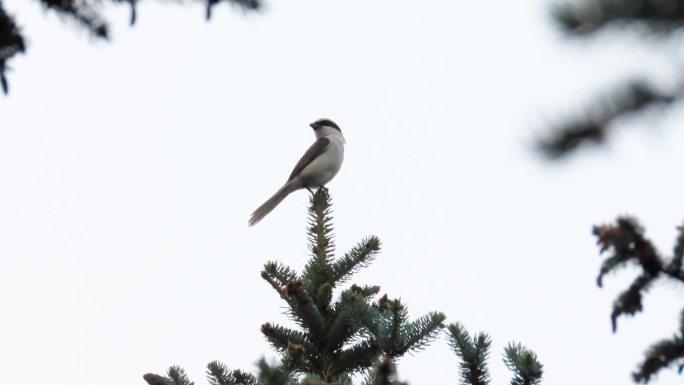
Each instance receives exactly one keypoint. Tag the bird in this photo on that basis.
(318, 166)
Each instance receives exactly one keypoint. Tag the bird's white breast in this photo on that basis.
(322, 169)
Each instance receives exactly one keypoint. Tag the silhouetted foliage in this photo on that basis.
(594, 126)
(11, 43)
(474, 353)
(352, 333)
(627, 244)
(86, 13)
(585, 18)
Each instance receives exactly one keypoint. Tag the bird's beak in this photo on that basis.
(313, 125)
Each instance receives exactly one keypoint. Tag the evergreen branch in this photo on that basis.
(350, 313)
(282, 339)
(629, 302)
(274, 284)
(283, 274)
(219, 374)
(272, 375)
(661, 355)
(365, 291)
(364, 314)
(358, 257)
(278, 275)
(527, 370)
(81, 11)
(342, 329)
(305, 311)
(627, 241)
(357, 358)
(636, 97)
(391, 338)
(246, 5)
(318, 269)
(609, 264)
(675, 265)
(368, 377)
(155, 379)
(473, 354)
(11, 43)
(295, 361)
(86, 14)
(591, 16)
(385, 373)
(292, 305)
(132, 4)
(343, 379)
(419, 333)
(177, 376)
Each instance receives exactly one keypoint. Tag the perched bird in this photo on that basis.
(319, 164)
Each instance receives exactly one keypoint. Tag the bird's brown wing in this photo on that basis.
(312, 153)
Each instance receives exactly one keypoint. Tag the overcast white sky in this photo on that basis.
(128, 171)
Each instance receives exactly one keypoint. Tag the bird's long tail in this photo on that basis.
(270, 204)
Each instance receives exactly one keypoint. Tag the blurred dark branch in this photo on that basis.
(589, 16)
(661, 355)
(636, 97)
(11, 43)
(83, 12)
(385, 373)
(87, 14)
(626, 241)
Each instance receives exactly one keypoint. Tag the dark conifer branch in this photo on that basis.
(627, 243)
(278, 275)
(584, 18)
(392, 322)
(421, 332)
(365, 316)
(594, 126)
(629, 301)
(675, 267)
(588, 16)
(358, 257)
(11, 43)
(174, 376)
(351, 315)
(358, 357)
(273, 375)
(343, 327)
(178, 376)
(473, 354)
(85, 13)
(306, 312)
(385, 373)
(318, 270)
(282, 339)
(661, 355)
(526, 368)
(134, 11)
(219, 374)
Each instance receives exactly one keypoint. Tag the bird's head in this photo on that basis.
(325, 127)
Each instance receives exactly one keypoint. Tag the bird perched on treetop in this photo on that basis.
(319, 164)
